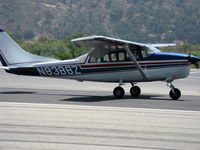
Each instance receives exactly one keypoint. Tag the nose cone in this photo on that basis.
(193, 59)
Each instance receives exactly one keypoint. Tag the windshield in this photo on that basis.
(151, 49)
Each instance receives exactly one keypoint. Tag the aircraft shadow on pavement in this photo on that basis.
(94, 98)
(112, 98)
(157, 97)
(18, 92)
(86, 98)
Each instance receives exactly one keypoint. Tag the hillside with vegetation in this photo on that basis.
(45, 27)
(136, 20)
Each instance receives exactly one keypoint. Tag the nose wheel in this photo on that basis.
(174, 93)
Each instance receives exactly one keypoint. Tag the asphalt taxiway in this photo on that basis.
(48, 114)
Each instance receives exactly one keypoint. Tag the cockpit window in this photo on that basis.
(136, 53)
(144, 52)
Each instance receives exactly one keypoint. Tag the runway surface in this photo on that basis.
(49, 114)
(50, 127)
(59, 91)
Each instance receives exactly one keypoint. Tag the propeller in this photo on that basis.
(194, 60)
(196, 65)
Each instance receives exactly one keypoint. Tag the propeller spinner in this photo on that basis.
(194, 60)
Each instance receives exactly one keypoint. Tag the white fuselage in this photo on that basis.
(115, 71)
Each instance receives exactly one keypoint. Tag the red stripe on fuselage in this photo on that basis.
(129, 64)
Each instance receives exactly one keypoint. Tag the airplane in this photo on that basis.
(109, 60)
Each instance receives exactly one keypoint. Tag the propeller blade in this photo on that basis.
(196, 65)
(194, 60)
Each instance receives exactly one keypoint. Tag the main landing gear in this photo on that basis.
(119, 92)
(174, 92)
(135, 90)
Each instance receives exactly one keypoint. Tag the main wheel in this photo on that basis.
(135, 91)
(118, 92)
(176, 94)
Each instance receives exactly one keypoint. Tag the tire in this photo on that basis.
(118, 92)
(135, 91)
(176, 95)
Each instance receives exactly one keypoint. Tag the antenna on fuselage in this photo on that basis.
(118, 37)
(112, 36)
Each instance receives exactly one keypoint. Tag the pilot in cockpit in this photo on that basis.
(135, 53)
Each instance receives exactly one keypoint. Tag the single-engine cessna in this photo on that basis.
(109, 60)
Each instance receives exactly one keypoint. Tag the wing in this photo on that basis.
(100, 45)
(91, 40)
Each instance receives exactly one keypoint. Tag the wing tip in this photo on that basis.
(92, 37)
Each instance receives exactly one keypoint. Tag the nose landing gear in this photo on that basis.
(174, 93)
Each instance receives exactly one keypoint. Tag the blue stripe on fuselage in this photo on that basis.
(165, 56)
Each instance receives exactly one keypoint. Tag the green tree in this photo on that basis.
(28, 35)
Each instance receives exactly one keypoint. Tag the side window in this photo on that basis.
(93, 60)
(113, 57)
(122, 56)
(118, 54)
(135, 53)
(127, 58)
(106, 58)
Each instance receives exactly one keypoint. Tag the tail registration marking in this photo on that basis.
(59, 70)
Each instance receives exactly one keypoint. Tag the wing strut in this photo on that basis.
(126, 47)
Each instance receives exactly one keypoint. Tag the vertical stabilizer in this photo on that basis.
(11, 53)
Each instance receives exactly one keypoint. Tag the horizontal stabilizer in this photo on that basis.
(8, 68)
(15, 67)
